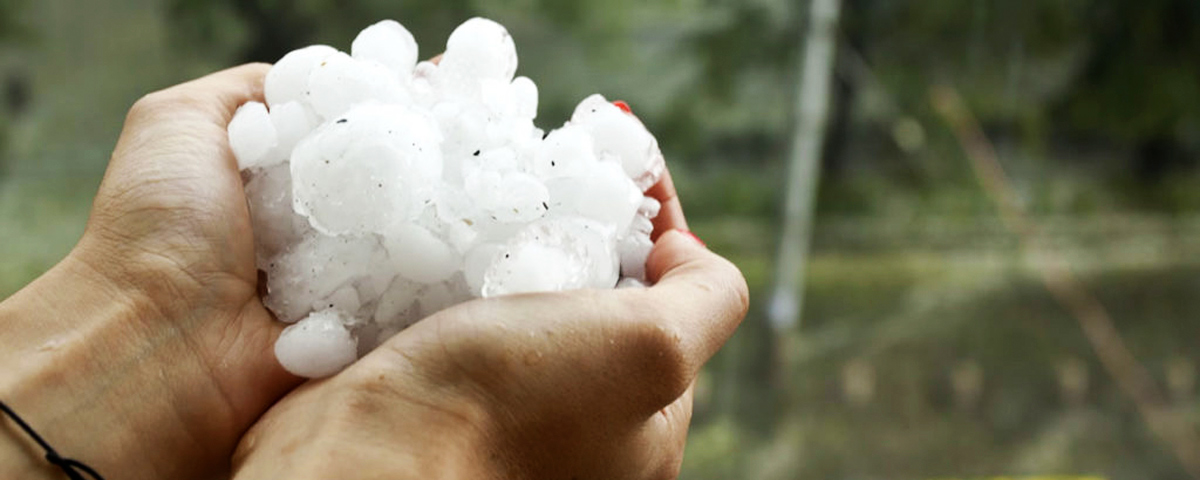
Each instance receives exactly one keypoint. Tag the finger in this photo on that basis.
(702, 296)
(671, 216)
(436, 60)
(177, 125)
(213, 98)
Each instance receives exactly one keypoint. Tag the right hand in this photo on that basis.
(581, 385)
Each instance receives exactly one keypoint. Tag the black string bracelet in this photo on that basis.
(72, 468)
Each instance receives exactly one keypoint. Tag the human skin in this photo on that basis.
(577, 385)
(146, 352)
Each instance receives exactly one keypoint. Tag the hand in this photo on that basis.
(576, 385)
(146, 352)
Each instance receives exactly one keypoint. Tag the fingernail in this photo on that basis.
(694, 237)
(623, 106)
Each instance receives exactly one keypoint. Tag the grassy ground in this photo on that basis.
(907, 319)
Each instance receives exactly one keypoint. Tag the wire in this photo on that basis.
(71, 467)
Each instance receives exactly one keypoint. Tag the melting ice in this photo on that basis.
(383, 190)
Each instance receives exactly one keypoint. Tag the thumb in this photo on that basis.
(703, 296)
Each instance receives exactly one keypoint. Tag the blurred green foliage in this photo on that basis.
(929, 347)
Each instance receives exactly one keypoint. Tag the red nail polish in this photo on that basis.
(623, 106)
(694, 237)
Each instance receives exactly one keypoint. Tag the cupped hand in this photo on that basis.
(577, 385)
(146, 352)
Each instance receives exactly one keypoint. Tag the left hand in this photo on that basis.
(146, 352)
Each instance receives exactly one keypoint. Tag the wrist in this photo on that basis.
(79, 365)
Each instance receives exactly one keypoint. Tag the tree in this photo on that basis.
(14, 87)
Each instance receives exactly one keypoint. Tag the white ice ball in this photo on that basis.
(292, 121)
(480, 49)
(317, 346)
(340, 82)
(567, 152)
(276, 224)
(553, 255)
(623, 136)
(361, 172)
(252, 137)
(389, 44)
(525, 92)
(604, 194)
(420, 256)
(317, 267)
(287, 81)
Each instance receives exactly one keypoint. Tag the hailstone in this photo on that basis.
(383, 190)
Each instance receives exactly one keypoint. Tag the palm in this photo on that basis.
(172, 191)
(171, 221)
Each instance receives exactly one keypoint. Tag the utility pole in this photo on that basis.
(811, 117)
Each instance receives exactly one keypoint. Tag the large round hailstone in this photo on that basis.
(361, 173)
(288, 79)
(383, 190)
(389, 44)
(480, 49)
(340, 81)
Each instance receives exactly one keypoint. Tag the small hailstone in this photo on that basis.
(388, 43)
(252, 136)
(650, 207)
(340, 81)
(621, 135)
(525, 93)
(276, 225)
(287, 81)
(605, 194)
(553, 255)
(315, 268)
(480, 48)
(566, 152)
(382, 190)
(633, 251)
(318, 346)
(292, 122)
(400, 296)
(419, 255)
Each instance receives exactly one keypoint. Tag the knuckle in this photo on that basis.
(740, 288)
(662, 360)
(730, 285)
(149, 106)
(159, 105)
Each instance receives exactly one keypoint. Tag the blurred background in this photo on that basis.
(953, 319)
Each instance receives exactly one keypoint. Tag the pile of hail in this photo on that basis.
(383, 190)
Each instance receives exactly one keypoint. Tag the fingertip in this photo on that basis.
(673, 248)
(671, 216)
